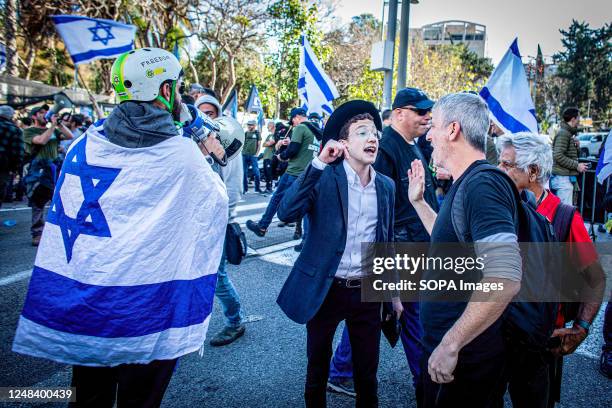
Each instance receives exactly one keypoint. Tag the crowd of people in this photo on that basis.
(423, 171)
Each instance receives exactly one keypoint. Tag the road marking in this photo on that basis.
(15, 209)
(247, 207)
(16, 277)
(272, 248)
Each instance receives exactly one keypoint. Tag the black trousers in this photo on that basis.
(476, 385)
(268, 174)
(527, 376)
(363, 323)
(132, 385)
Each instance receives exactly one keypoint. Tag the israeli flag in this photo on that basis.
(230, 107)
(126, 268)
(316, 90)
(604, 165)
(2, 57)
(253, 103)
(89, 39)
(508, 96)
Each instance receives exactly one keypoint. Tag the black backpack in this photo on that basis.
(529, 323)
(235, 244)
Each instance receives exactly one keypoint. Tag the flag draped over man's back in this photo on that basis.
(315, 87)
(126, 268)
(507, 94)
(89, 39)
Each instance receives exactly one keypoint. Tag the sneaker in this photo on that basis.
(298, 247)
(36, 240)
(253, 226)
(227, 335)
(605, 364)
(341, 386)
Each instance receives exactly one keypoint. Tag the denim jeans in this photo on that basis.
(283, 184)
(563, 188)
(227, 295)
(341, 366)
(246, 161)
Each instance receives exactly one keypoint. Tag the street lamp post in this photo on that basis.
(391, 29)
(402, 62)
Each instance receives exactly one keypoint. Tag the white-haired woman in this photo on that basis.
(527, 159)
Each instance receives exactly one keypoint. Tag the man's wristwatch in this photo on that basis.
(583, 323)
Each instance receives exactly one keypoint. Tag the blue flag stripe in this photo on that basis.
(119, 311)
(84, 56)
(505, 118)
(316, 75)
(63, 19)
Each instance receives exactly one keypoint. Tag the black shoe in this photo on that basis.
(253, 226)
(344, 386)
(298, 247)
(227, 335)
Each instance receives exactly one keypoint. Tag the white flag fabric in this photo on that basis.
(315, 87)
(508, 96)
(89, 39)
(604, 165)
(126, 268)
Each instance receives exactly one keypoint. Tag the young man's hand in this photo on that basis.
(332, 151)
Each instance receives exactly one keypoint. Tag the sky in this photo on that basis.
(532, 21)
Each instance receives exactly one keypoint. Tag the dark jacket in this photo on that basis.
(323, 195)
(394, 158)
(565, 152)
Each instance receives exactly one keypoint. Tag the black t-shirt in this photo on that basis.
(394, 159)
(490, 207)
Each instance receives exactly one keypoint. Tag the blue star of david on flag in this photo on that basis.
(105, 28)
(95, 181)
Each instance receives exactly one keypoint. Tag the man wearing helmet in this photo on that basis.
(231, 175)
(160, 187)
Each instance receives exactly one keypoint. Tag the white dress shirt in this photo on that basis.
(362, 220)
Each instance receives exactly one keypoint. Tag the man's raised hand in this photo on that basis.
(416, 181)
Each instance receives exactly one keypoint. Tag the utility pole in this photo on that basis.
(402, 62)
(391, 29)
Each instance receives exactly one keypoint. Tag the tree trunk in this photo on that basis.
(10, 28)
(192, 67)
(30, 62)
(232, 76)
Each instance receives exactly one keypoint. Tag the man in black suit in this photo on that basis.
(347, 204)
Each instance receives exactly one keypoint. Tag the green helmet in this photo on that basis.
(137, 75)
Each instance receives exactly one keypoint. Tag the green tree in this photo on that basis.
(585, 65)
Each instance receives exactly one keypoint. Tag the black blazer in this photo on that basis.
(323, 196)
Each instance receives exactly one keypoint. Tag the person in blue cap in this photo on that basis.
(301, 146)
(410, 120)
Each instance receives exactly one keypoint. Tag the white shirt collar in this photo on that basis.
(353, 178)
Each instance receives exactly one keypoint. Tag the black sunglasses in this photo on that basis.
(418, 111)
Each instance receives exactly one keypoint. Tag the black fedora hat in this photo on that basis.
(344, 113)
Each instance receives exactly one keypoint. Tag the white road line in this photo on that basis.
(247, 207)
(14, 209)
(16, 277)
(272, 248)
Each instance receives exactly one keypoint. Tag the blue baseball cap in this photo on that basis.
(412, 97)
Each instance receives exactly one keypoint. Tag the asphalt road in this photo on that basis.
(266, 367)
